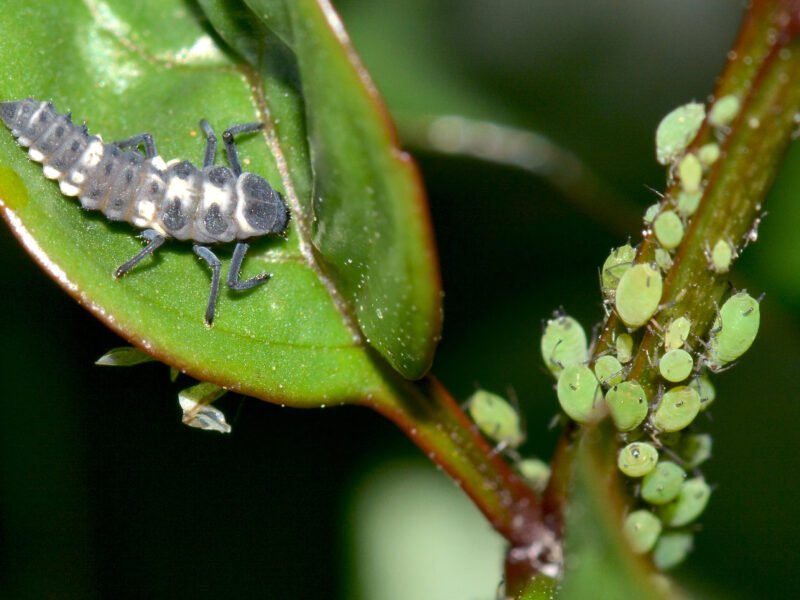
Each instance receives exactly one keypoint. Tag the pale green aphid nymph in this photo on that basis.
(663, 259)
(672, 549)
(676, 365)
(676, 131)
(690, 172)
(496, 418)
(536, 473)
(721, 256)
(642, 529)
(734, 330)
(677, 333)
(563, 344)
(627, 403)
(624, 347)
(689, 504)
(609, 370)
(677, 409)
(724, 111)
(663, 484)
(637, 459)
(618, 262)
(579, 394)
(668, 228)
(638, 295)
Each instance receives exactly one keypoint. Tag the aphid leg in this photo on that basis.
(213, 262)
(142, 138)
(154, 240)
(236, 265)
(230, 146)
(211, 143)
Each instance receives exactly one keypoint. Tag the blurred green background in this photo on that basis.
(104, 494)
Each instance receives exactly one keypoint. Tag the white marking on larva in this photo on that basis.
(68, 189)
(77, 177)
(51, 172)
(143, 223)
(34, 154)
(23, 141)
(171, 162)
(42, 106)
(180, 188)
(158, 163)
(93, 154)
(217, 195)
(244, 227)
(146, 210)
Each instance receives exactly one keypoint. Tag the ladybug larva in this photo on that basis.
(208, 205)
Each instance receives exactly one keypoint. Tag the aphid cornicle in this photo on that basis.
(208, 205)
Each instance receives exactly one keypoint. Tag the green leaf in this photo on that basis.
(361, 251)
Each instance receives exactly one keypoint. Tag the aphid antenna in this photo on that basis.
(661, 195)
(555, 421)
(596, 329)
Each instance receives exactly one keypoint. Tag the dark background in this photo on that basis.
(105, 494)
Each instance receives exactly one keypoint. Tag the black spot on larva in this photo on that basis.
(184, 169)
(214, 221)
(128, 176)
(95, 192)
(173, 217)
(59, 132)
(116, 204)
(219, 176)
(115, 151)
(109, 166)
(264, 209)
(154, 187)
(43, 117)
(75, 146)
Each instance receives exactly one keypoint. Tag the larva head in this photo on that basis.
(17, 114)
(260, 209)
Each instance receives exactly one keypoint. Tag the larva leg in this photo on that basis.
(142, 138)
(236, 265)
(230, 146)
(211, 143)
(213, 262)
(154, 240)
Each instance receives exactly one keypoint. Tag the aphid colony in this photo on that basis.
(660, 453)
(209, 205)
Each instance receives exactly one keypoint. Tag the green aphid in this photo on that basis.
(579, 394)
(627, 403)
(496, 418)
(651, 213)
(563, 344)
(724, 111)
(195, 402)
(624, 347)
(690, 172)
(688, 203)
(609, 370)
(677, 409)
(662, 484)
(695, 449)
(721, 257)
(709, 154)
(663, 259)
(638, 295)
(637, 459)
(734, 330)
(676, 131)
(705, 389)
(668, 228)
(642, 529)
(689, 504)
(676, 365)
(620, 260)
(677, 333)
(672, 548)
(536, 473)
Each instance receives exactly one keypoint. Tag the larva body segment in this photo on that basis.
(207, 205)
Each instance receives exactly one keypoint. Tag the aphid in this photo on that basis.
(638, 295)
(688, 202)
(579, 394)
(724, 111)
(563, 343)
(676, 365)
(210, 205)
(695, 449)
(721, 256)
(197, 410)
(651, 213)
(642, 529)
(708, 154)
(620, 260)
(536, 472)
(663, 259)
(668, 228)
(496, 418)
(677, 409)
(690, 172)
(677, 333)
(609, 370)
(627, 403)
(734, 330)
(705, 389)
(690, 503)
(672, 548)
(676, 131)
(662, 484)
(624, 347)
(637, 459)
